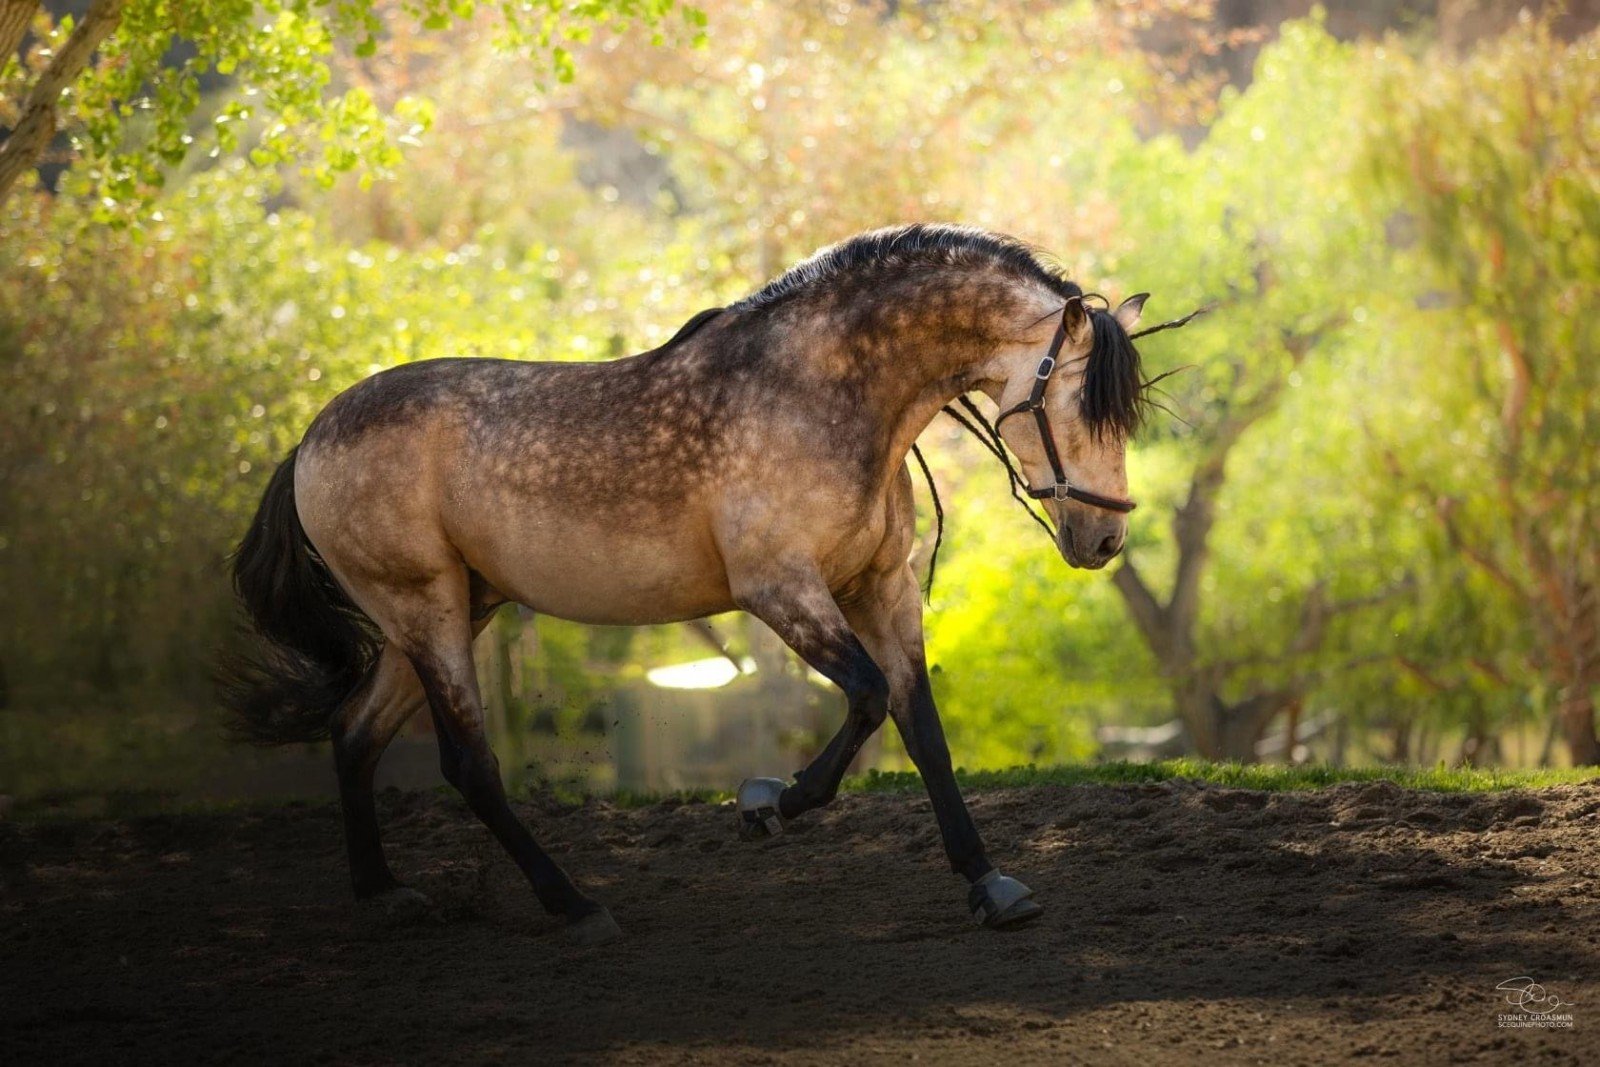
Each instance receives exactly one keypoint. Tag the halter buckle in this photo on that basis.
(1047, 367)
(1063, 490)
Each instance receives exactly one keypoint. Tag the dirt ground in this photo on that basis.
(1183, 923)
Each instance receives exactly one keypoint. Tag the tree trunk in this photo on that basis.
(1292, 731)
(1195, 708)
(1577, 724)
(36, 122)
(1238, 733)
(1578, 670)
(1400, 743)
(1481, 747)
(1224, 731)
(1547, 749)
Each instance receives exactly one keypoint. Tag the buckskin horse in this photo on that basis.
(755, 461)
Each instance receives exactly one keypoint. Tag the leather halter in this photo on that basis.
(1062, 489)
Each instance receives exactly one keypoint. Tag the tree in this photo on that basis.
(1493, 166)
(780, 150)
(1262, 218)
(109, 78)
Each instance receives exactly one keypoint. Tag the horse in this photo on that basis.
(756, 461)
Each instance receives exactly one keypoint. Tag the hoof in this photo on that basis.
(758, 808)
(399, 906)
(595, 928)
(999, 902)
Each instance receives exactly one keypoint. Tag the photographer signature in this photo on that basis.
(1526, 995)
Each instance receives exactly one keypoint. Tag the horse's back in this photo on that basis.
(410, 393)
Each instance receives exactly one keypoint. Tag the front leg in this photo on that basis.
(796, 604)
(887, 614)
(881, 628)
(995, 900)
(892, 614)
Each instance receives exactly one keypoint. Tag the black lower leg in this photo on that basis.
(369, 870)
(480, 785)
(846, 662)
(470, 764)
(924, 740)
(449, 752)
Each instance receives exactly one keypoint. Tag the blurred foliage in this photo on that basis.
(151, 380)
(1343, 211)
(1492, 172)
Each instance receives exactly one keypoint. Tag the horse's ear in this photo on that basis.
(1075, 317)
(1128, 311)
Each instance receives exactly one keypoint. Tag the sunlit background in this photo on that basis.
(1368, 528)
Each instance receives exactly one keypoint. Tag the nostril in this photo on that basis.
(1110, 546)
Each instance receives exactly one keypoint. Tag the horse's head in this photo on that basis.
(1068, 417)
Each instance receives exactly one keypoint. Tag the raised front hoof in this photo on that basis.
(595, 928)
(400, 906)
(758, 808)
(1002, 903)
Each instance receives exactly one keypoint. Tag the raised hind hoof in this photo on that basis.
(400, 906)
(595, 928)
(758, 808)
(1001, 903)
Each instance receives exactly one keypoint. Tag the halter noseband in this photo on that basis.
(1062, 489)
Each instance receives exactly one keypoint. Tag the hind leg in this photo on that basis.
(365, 725)
(434, 627)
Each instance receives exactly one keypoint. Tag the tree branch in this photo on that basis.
(1423, 675)
(1257, 711)
(1147, 612)
(36, 123)
(1444, 509)
(1316, 612)
(1191, 524)
(15, 18)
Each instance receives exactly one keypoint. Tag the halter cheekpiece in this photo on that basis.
(1062, 489)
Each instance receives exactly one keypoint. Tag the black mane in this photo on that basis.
(902, 247)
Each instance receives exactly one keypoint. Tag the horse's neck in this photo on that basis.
(952, 352)
(919, 411)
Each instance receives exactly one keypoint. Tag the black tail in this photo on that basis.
(316, 644)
